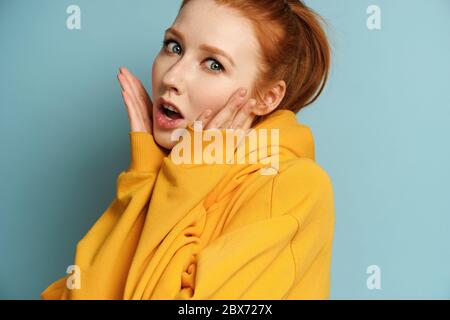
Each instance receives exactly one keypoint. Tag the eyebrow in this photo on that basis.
(203, 47)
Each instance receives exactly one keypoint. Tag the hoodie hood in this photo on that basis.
(294, 138)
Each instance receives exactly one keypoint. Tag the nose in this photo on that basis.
(173, 80)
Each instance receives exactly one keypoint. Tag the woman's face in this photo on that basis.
(194, 78)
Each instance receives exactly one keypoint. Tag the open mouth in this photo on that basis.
(170, 112)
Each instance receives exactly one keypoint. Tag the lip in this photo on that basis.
(164, 122)
(167, 102)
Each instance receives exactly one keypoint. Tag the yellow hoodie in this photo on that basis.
(211, 231)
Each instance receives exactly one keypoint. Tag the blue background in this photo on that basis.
(381, 131)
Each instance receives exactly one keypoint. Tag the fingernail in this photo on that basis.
(243, 92)
(252, 103)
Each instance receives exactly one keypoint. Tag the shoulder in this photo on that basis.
(303, 189)
(303, 173)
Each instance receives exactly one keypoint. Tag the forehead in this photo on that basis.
(205, 22)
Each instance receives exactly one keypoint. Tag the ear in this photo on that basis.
(271, 99)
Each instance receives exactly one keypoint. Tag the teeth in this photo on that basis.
(170, 108)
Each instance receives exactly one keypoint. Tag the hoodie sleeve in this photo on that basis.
(133, 190)
(305, 192)
(145, 154)
(145, 160)
(286, 256)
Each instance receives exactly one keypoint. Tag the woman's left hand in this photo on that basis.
(237, 114)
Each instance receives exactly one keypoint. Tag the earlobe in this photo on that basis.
(263, 108)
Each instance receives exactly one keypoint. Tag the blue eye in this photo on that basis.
(216, 63)
(167, 42)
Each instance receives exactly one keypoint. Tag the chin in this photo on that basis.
(163, 139)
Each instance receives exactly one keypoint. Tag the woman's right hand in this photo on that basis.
(137, 101)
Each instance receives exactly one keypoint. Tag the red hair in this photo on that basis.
(294, 48)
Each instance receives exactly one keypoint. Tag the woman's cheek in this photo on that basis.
(215, 97)
(212, 102)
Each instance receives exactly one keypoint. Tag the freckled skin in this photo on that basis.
(188, 77)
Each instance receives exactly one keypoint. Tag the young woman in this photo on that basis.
(224, 230)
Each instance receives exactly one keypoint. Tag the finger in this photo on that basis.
(131, 85)
(243, 115)
(135, 117)
(145, 102)
(120, 82)
(223, 118)
(140, 94)
(136, 85)
(248, 122)
(204, 117)
(140, 115)
(127, 87)
(130, 110)
(142, 91)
